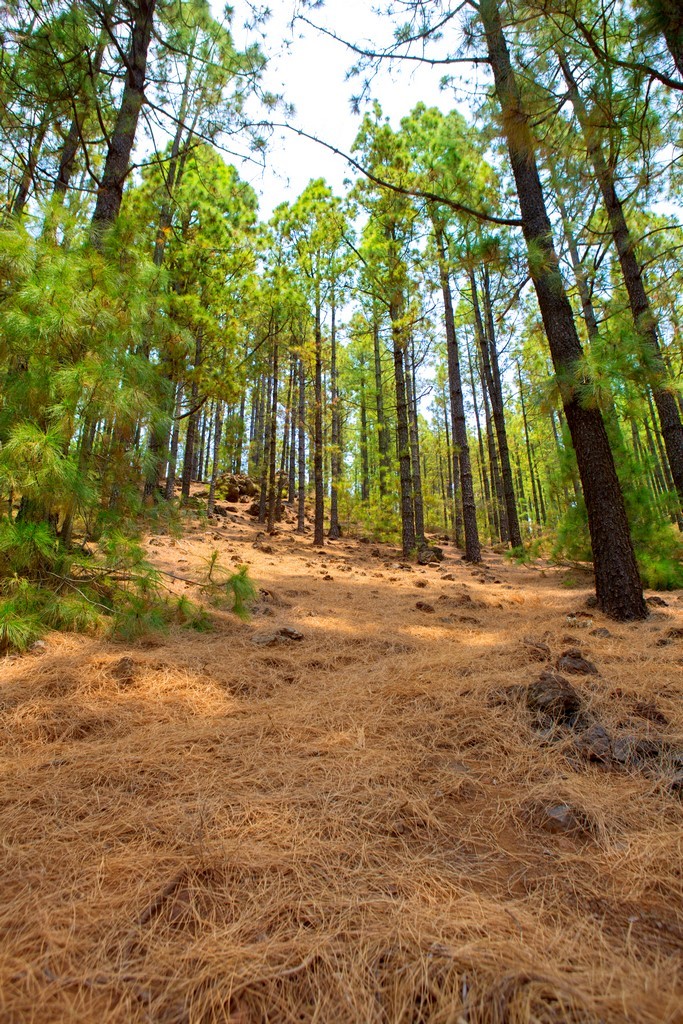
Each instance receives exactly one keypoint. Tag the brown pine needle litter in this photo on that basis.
(348, 828)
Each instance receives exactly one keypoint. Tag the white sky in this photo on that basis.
(310, 69)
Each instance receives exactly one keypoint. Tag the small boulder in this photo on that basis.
(553, 697)
(560, 819)
(535, 650)
(656, 602)
(427, 556)
(600, 632)
(424, 606)
(123, 671)
(420, 583)
(286, 634)
(574, 662)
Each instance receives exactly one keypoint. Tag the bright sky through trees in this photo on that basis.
(310, 71)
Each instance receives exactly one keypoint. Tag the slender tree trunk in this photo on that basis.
(272, 437)
(618, 587)
(411, 402)
(166, 212)
(527, 445)
(334, 531)
(265, 450)
(301, 467)
(117, 162)
(486, 490)
(217, 433)
(402, 432)
(173, 450)
(461, 444)
(29, 172)
(382, 433)
(364, 464)
(190, 438)
(74, 137)
(292, 437)
(492, 369)
(318, 480)
(498, 506)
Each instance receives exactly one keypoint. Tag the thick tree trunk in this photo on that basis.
(618, 587)
(117, 162)
(641, 311)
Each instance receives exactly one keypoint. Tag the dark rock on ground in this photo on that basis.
(573, 661)
(552, 697)
(656, 602)
(600, 632)
(594, 744)
(649, 711)
(124, 671)
(424, 606)
(536, 650)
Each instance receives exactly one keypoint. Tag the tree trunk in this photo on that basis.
(382, 434)
(618, 587)
(272, 438)
(492, 370)
(411, 402)
(301, 468)
(365, 469)
(190, 437)
(334, 531)
(318, 480)
(402, 433)
(117, 162)
(461, 444)
(217, 433)
(173, 450)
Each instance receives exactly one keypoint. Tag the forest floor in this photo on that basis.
(376, 823)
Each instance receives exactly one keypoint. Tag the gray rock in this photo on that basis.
(560, 819)
(286, 634)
